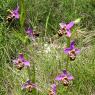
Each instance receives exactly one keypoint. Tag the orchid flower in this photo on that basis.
(14, 14)
(65, 77)
(20, 62)
(66, 29)
(28, 86)
(72, 51)
(31, 33)
(53, 90)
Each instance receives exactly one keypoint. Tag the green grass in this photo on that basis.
(44, 16)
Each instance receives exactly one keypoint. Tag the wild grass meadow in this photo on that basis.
(47, 47)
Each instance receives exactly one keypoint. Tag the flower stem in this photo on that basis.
(67, 63)
(31, 76)
(68, 45)
(68, 42)
(22, 13)
(46, 24)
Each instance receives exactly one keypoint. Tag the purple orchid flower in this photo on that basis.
(29, 32)
(72, 51)
(15, 13)
(21, 62)
(53, 90)
(66, 28)
(28, 86)
(65, 77)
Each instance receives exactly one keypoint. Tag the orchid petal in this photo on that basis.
(24, 86)
(70, 77)
(26, 63)
(70, 25)
(29, 32)
(72, 44)
(77, 51)
(62, 25)
(65, 72)
(16, 9)
(68, 33)
(21, 57)
(58, 78)
(28, 81)
(53, 86)
(17, 16)
(15, 13)
(67, 50)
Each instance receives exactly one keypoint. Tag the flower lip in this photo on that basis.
(72, 54)
(65, 81)
(19, 64)
(70, 25)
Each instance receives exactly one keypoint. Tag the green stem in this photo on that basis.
(47, 21)
(22, 13)
(31, 76)
(68, 45)
(68, 42)
(67, 63)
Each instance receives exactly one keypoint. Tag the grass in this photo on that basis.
(44, 16)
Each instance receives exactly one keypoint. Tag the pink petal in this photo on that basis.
(77, 51)
(21, 57)
(70, 25)
(62, 25)
(67, 50)
(72, 44)
(68, 33)
(58, 78)
(17, 16)
(27, 63)
(70, 77)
